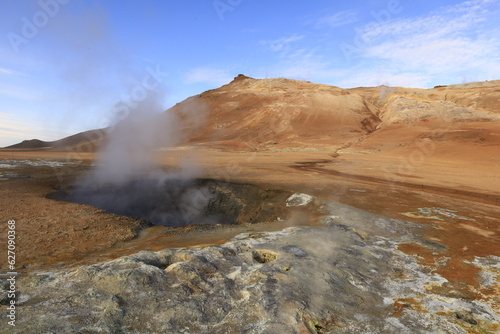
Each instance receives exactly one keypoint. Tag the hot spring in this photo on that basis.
(178, 202)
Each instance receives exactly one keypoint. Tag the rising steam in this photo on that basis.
(94, 68)
(129, 178)
(130, 142)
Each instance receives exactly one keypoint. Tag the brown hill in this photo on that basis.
(30, 144)
(480, 100)
(282, 114)
(467, 114)
(87, 141)
(431, 156)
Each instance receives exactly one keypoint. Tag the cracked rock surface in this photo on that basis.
(344, 277)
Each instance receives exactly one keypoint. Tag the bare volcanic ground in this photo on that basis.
(422, 255)
(426, 260)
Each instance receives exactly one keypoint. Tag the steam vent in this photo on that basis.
(250, 167)
(262, 206)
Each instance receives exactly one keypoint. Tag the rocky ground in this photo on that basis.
(346, 276)
(393, 228)
(353, 271)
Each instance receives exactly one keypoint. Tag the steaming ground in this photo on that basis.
(167, 202)
(310, 277)
(181, 202)
(415, 248)
(344, 276)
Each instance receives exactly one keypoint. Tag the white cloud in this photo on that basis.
(337, 19)
(294, 60)
(438, 55)
(447, 21)
(15, 84)
(382, 75)
(9, 121)
(446, 43)
(210, 75)
(7, 71)
(282, 44)
(14, 129)
(445, 46)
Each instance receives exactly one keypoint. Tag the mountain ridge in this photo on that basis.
(283, 113)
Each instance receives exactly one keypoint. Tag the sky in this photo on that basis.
(68, 66)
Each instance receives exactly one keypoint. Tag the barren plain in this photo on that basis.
(401, 232)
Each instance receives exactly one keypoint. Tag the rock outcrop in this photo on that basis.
(346, 276)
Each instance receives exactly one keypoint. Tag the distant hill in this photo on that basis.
(86, 141)
(31, 144)
(281, 114)
(256, 113)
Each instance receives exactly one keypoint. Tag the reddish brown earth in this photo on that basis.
(385, 150)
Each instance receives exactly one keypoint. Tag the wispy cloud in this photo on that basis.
(281, 44)
(8, 71)
(16, 84)
(210, 75)
(384, 74)
(14, 129)
(448, 45)
(448, 42)
(447, 21)
(437, 55)
(295, 59)
(337, 19)
(10, 123)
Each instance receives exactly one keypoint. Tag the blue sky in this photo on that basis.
(70, 65)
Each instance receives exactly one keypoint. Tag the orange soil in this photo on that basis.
(373, 148)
